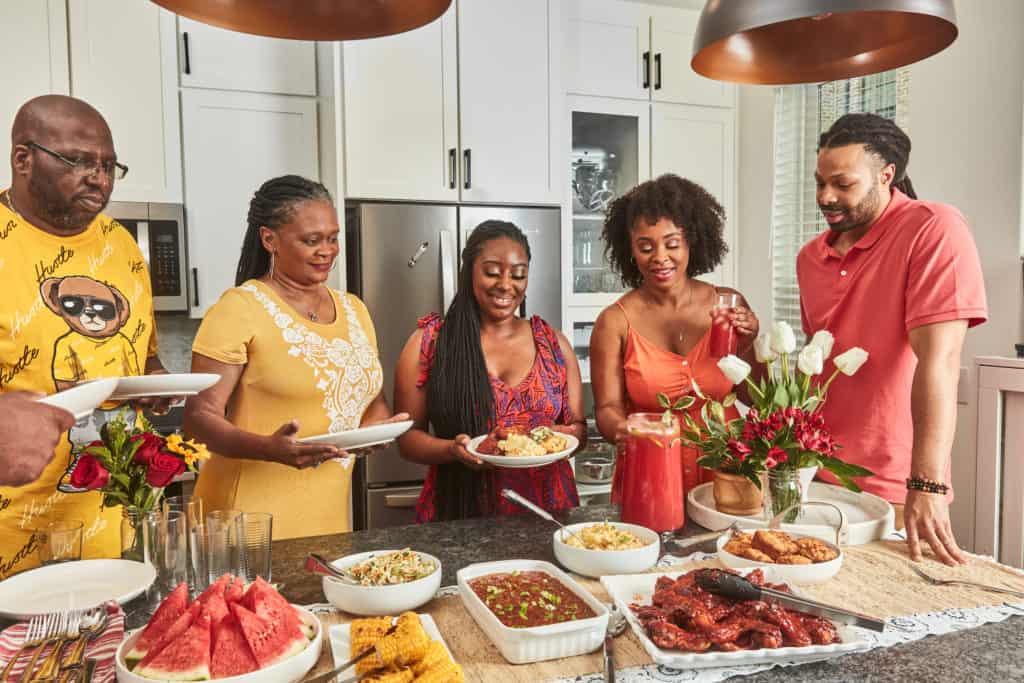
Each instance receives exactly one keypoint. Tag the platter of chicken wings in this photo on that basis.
(683, 626)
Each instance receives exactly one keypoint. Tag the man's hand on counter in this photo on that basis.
(30, 432)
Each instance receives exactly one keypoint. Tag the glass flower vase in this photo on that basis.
(782, 492)
(133, 534)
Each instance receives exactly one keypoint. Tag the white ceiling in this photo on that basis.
(687, 4)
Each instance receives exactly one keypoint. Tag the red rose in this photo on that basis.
(151, 445)
(163, 468)
(89, 474)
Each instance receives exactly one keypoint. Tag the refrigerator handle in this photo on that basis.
(446, 239)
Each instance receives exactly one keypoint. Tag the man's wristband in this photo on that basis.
(926, 485)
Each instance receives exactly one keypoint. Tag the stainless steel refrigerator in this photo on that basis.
(403, 262)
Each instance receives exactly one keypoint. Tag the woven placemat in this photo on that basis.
(875, 579)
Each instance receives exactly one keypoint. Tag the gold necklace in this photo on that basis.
(310, 313)
(10, 203)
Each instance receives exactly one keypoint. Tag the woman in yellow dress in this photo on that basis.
(289, 349)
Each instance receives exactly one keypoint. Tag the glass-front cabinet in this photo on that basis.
(610, 154)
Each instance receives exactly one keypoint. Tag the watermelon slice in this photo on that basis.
(216, 608)
(234, 591)
(270, 641)
(231, 655)
(264, 600)
(216, 588)
(186, 658)
(180, 626)
(173, 606)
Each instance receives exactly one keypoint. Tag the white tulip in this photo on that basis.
(849, 361)
(735, 368)
(811, 360)
(763, 349)
(824, 340)
(783, 339)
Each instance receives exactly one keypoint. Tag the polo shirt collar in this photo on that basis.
(876, 231)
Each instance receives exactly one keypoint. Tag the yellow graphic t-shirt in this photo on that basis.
(323, 374)
(73, 309)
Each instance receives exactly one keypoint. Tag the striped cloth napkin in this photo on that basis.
(101, 649)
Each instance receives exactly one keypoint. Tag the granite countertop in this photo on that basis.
(986, 653)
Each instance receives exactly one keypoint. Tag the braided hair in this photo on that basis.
(685, 203)
(460, 399)
(272, 206)
(880, 136)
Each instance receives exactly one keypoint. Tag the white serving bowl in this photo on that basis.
(538, 643)
(819, 572)
(290, 670)
(377, 601)
(597, 563)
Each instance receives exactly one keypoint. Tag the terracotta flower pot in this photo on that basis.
(736, 495)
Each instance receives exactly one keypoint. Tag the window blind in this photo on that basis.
(802, 113)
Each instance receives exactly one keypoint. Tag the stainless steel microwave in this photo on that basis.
(160, 231)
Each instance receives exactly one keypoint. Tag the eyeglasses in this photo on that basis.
(85, 166)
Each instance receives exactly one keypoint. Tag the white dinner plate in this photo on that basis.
(364, 437)
(516, 462)
(81, 399)
(341, 640)
(638, 588)
(151, 386)
(72, 585)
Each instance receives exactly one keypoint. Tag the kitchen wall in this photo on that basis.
(965, 123)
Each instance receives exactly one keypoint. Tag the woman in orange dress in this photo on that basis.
(656, 338)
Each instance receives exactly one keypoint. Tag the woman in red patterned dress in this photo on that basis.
(482, 367)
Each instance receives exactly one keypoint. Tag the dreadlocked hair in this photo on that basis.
(272, 206)
(460, 399)
(880, 136)
(688, 205)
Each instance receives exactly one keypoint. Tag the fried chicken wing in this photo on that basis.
(816, 550)
(774, 543)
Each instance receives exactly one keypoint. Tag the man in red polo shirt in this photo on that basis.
(900, 278)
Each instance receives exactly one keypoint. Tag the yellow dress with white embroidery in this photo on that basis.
(325, 375)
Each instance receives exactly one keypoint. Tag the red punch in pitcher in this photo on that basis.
(652, 473)
(723, 340)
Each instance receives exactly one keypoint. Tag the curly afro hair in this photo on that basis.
(682, 201)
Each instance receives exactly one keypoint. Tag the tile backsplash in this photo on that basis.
(175, 334)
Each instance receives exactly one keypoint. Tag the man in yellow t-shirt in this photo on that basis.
(77, 305)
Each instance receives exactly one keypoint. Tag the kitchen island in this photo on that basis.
(985, 653)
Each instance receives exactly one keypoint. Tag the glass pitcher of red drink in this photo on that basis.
(652, 476)
(723, 335)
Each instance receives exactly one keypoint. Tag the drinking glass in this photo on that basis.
(255, 531)
(652, 472)
(194, 511)
(221, 545)
(723, 335)
(59, 541)
(167, 532)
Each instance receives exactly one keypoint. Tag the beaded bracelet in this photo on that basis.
(926, 485)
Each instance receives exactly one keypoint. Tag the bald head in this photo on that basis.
(58, 143)
(42, 119)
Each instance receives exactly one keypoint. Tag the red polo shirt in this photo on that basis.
(916, 265)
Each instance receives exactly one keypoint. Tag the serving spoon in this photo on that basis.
(540, 512)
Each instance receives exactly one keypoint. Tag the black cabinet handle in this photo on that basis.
(657, 71)
(188, 61)
(467, 162)
(195, 286)
(451, 168)
(647, 70)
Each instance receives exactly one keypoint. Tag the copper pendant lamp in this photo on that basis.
(312, 19)
(810, 41)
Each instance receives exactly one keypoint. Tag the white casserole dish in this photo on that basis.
(538, 643)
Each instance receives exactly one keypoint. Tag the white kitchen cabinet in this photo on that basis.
(614, 48)
(607, 48)
(672, 78)
(233, 143)
(458, 110)
(699, 143)
(124, 63)
(216, 58)
(401, 114)
(504, 101)
(34, 56)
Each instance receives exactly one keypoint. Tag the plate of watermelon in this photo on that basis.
(231, 632)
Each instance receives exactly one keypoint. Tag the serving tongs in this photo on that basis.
(316, 564)
(367, 651)
(736, 587)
